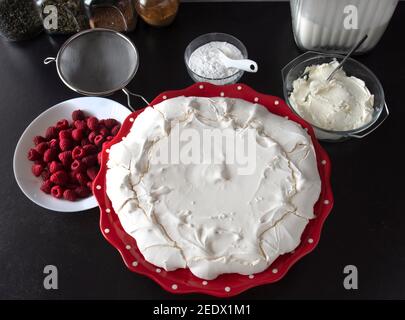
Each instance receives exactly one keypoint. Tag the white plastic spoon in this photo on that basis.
(242, 64)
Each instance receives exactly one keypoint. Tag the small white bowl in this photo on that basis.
(101, 108)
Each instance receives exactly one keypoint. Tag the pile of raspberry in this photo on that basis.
(68, 157)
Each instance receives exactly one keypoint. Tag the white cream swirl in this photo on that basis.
(341, 104)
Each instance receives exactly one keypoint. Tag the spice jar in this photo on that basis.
(63, 16)
(118, 15)
(19, 19)
(157, 13)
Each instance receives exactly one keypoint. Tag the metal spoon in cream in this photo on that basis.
(341, 104)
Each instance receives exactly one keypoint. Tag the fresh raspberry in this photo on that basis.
(54, 144)
(110, 123)
(92, 173)
(65, 144)
(77, 166)
(84, 142)
(37, 169)
(57, 192)
(115, 130)
(72, 178)
(78, 115)
(90, 185)
(55, 166)
(45, 175)
(41, 147)
(82, 178)
(38, 139)
(104, 132)
(51, 133)
(50, 155)
(33, 155)
(99, 158)
(109, 138)
(65, 134)
(80, 124)
(91, 136)
(89, 161)
(66, 158)
(98, 140)
(70, 195)
(47, 186)
(62, 124)
(60, 178)
(77, 134)
(92, 123)
(77, 153)
(83, 191)
(90, 149)
(41, 162)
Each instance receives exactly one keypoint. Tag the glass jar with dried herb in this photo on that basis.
(157, 13)
(19, 20)
(118, 15)
(63, 16)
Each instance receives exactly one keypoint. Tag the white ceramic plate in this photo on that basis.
(99, 107)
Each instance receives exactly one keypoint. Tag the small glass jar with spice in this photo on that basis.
(19, 20)
(118, 15)
(157, 13)
(63, 16)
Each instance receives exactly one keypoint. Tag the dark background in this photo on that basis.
(366, 227)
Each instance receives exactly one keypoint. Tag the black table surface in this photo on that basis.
(366, 227)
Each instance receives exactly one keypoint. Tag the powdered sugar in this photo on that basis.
(205, 60)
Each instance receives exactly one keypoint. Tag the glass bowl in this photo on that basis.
(209, 37)
(295, 69)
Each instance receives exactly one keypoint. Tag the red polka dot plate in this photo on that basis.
(182, 280)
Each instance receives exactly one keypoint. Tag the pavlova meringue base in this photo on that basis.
(207, 216)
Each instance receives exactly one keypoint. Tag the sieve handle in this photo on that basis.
(49, 60)
(129, 94)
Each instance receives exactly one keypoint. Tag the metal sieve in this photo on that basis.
(98, 62)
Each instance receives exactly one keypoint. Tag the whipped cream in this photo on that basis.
(341, 104)
(207, 217)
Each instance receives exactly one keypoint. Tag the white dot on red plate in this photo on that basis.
(128, 247)
(310, 240)
(222, 94)
(251, 276)
(98, 187)
(326, 202)
(131, 119)
(174, 286)
(135, 263)
(323, 162)
(256, 99)
(201, 86)
(106, 230)
(108, 210)
(158, 270)
(276, 102)
(227, 289)
(275, 270)
(205, 283)
(107, 150)
(239, 88)
(164, 97)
